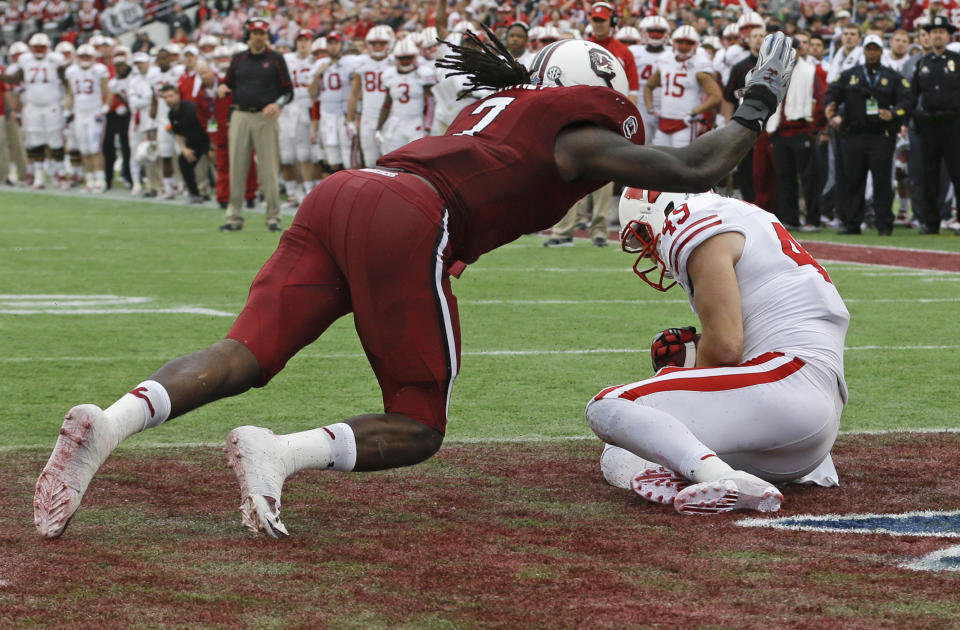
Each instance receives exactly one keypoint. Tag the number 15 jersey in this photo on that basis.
(495, 167)
(789, 303)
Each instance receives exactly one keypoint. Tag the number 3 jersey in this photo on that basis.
(789, 304)
(495, 167)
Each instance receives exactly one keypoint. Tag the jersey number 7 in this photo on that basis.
(495, 107)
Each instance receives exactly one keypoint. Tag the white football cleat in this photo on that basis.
(255, 455)
(87, 437)
(737, 490)
(658, 485)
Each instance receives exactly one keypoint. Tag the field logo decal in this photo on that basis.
(938, 524)
(57, 304)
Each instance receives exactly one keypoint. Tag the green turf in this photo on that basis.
(901, 366)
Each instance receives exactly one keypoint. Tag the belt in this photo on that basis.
(249, 110)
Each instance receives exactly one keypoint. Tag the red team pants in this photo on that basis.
(374, 243)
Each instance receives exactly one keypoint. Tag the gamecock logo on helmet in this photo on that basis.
(630, 127)
(603, 66)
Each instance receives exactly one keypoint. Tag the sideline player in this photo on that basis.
(368, 92)
(294, 121)
(406, 113)
(331, 77)
(760, 390)
(509, 165)
(89, 99)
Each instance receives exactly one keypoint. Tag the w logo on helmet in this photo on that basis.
(603, 65)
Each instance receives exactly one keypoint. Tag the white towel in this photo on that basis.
(798, 104)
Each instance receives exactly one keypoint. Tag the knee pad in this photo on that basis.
(38, 152)
(57, 154)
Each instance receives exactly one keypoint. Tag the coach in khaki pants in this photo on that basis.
(260, 83)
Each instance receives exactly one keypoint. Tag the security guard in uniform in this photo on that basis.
(261, 86)
(867, 103)
(936, 99)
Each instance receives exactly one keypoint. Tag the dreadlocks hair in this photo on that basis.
(489, 66)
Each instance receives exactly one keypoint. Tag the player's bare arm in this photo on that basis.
(652, 84)
(716, 296)
(711, 88)
(13, 79)
(590, 153)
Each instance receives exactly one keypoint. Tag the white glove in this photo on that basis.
(378, 138)
(351, 128)
(689, 118)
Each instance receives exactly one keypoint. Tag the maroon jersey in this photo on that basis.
(495, 166)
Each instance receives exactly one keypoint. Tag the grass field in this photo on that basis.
(95, 294)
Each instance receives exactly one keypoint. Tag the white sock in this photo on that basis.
(169, 185)
(146, 406)
(333, 446)
(710, 467)
(50, 166)
(291, 188)
(100, 176)
(308, 186)
(653, 435)
(88, 179)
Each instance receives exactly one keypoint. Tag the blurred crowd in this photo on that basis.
(864, 139)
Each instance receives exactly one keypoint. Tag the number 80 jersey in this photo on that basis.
(789, 303)
(495, 167)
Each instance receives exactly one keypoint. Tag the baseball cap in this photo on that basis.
(842, 14)
(872, 39)
(141, 57)
(258, 24)
(601, 10)
(335, 36)
(190, 49)
(304, 32)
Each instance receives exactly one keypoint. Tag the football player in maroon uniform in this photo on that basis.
(383, 242)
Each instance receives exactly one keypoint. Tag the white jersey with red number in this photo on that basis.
(41, 82)
(680, 87)
(647, 62)
(373, 92)
(335, 80)
(301, 73)
(12, 14)
(788, 301)
(157, 78)
(56, 11)
(86, 85)
(34, 10)
(87, 18)
(408, 90)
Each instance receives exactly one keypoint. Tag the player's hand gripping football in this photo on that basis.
(766, 84)
(674, 347)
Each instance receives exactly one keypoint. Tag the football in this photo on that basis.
(675, 347)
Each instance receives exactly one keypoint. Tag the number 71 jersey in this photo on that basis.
(789, 303)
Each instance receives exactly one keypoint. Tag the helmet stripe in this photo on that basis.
(540, 63)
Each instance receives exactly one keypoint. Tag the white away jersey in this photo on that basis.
(86, 85)
(335, 80)
(646, 63)
(408, 91)
(372, 90)
(680, 87)
(157, 78)
(301, 74)
(789, 303)
(41, 82)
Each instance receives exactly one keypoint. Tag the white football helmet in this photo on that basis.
(405, 52)
(380, 33)
(685, 40)
(628, 35)
(39, 45)
(65, 48)
(749, 21)
(17, 49)
(730, 31)
(656, 27)
(318, 45)
(642, 216)
(549, 34)
(429, 37)
(578, 62)
(85, 55)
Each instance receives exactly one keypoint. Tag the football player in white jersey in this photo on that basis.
(655, 29)
(367, 91)
(294, 121)
(406, 114)
(331, 85)
(161, 74)
(685, 77)
(137, 96)
(41, 72)
(756, 398)
(88, 98)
